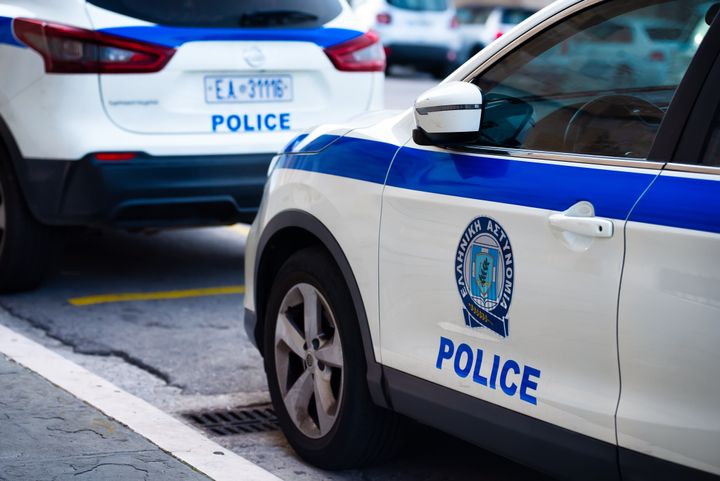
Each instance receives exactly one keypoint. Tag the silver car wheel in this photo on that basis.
(309, 360)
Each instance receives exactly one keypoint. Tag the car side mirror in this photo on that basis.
(448, 114)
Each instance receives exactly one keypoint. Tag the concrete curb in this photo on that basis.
(161, 429)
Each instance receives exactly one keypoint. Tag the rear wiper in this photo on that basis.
(266, 18)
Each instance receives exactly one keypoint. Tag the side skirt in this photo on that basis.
(638, 466)
(544, 446)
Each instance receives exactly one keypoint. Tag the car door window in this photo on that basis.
(598, 83)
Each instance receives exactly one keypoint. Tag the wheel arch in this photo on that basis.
(284, 235)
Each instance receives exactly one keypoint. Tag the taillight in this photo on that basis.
(67, 49)
(383, 18)
(114, 156)
(657, 56)
(454, 23)
(361, 54)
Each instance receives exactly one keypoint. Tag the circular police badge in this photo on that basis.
(484, 271)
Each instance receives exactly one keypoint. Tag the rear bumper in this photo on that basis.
(147, 191)
(420, 56)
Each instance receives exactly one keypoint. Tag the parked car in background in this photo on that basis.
(131, 114)
(422, 34)
(637, 50)
(481, 24)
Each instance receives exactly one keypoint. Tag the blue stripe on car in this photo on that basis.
(348, 157)
(530, 184)
(690, 203)
(6, 33)
(176, 36)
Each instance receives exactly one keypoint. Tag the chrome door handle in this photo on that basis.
(586, 226)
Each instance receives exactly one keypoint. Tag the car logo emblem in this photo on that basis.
(254, 57)
(485, 271)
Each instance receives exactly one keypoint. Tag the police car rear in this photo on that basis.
(136, 114)
(249, 68)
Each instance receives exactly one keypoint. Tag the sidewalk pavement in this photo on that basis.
(47, 434)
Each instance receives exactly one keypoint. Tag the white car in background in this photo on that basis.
(136, 114)
(611, 48)
(422, 34)
(481, 24)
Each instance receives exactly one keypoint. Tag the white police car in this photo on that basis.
(140, 114)
(528, 259)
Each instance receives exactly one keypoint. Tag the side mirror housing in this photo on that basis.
(449, 114)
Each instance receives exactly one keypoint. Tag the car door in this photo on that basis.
(488, 286)
(669, 310)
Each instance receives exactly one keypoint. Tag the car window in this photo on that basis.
(475, 15)
(513, 16)
(228, 13)
(420, 5)
(712, 148)
(588, 85)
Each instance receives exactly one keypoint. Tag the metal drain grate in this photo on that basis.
(255, 419)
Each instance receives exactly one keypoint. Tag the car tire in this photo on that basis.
(340, 428)
(25, 244)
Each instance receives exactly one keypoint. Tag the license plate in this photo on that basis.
(243, 89)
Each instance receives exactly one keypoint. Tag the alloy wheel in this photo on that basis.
(309, 360)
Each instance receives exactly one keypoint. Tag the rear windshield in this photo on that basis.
(228, 13)
(470, 15)
(420, 5)
(513, 16)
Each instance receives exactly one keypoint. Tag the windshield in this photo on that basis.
(228, 13)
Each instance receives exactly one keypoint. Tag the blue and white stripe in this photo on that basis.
(673, 201)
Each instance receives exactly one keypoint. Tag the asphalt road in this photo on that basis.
(190, 353)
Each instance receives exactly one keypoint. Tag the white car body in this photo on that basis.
(613, 338)
(426, 38)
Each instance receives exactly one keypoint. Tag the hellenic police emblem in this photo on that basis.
(484, 272)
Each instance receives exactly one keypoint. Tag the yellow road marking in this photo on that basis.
(154, 296)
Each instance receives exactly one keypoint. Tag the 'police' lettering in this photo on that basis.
(250, 123)
(505, 373)
(446, 351)
(233, 123)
